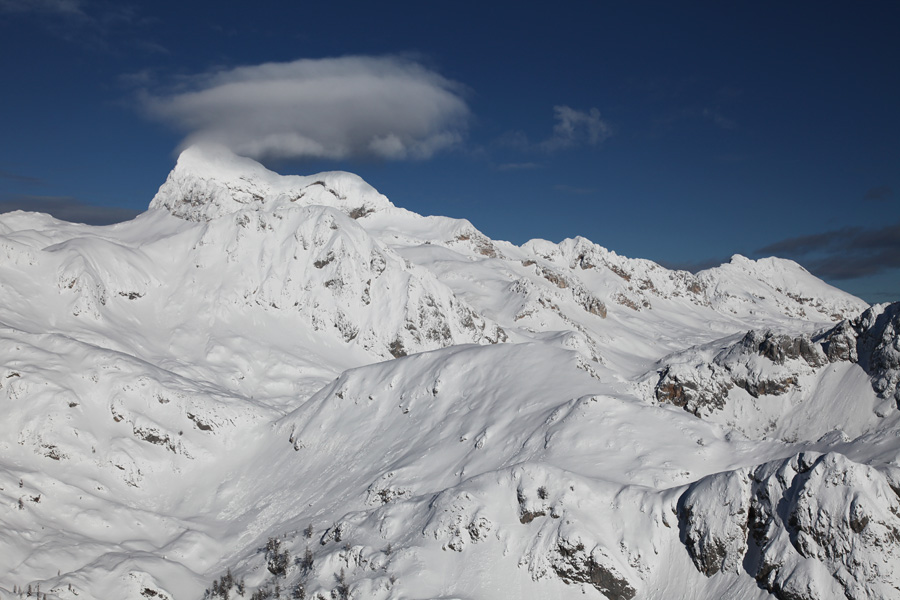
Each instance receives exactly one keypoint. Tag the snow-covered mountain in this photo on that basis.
(271, 386)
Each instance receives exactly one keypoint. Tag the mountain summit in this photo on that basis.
(210, 181)
(287, 386)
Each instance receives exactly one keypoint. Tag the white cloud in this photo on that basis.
(384, 107)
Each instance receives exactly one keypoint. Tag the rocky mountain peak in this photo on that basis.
(211, 181)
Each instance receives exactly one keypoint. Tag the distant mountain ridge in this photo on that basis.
(291, 380)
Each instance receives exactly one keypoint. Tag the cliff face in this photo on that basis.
(811, 526)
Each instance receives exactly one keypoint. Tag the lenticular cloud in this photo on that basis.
(382, 107)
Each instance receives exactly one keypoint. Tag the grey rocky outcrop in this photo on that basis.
(702, 389)
(715, 534)
(878, 348)
(872, 340)
(839, 343)
(811, 526)
(574, 563)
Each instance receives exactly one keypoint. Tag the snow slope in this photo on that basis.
(271, 386)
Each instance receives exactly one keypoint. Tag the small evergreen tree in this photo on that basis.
(306, 563)
(343, 588)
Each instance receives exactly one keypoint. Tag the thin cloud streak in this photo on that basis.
(881, 296)
(719, 120)
(526, 166)
(97, 14)
(846, 253)
(387, 108)
(102, 25)
(67, 208)
(880, 193)
(571, 189)
(693, 116)
(19, 178)
(67, 8)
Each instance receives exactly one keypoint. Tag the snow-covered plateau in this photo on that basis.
(278, 386)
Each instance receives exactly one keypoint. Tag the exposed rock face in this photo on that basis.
(701, 389)
(878, 348)
(696, 392)
(777, 348)
(839, 343)
(820, 526)
(575, 564)
(715, 534)
(873, 341)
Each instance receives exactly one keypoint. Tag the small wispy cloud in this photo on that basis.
(718, 119)
(880, 193)
(571, 189)
(19, 178)
(692, 116)
(731, 158)
(524, 166)
(67, 208)
(846, 253)
(96, 24)
(151, 47)
(385, 107)
(67, 8)
(575, 127)
(572, 128)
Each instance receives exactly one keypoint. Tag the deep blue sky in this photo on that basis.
(757, 128)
